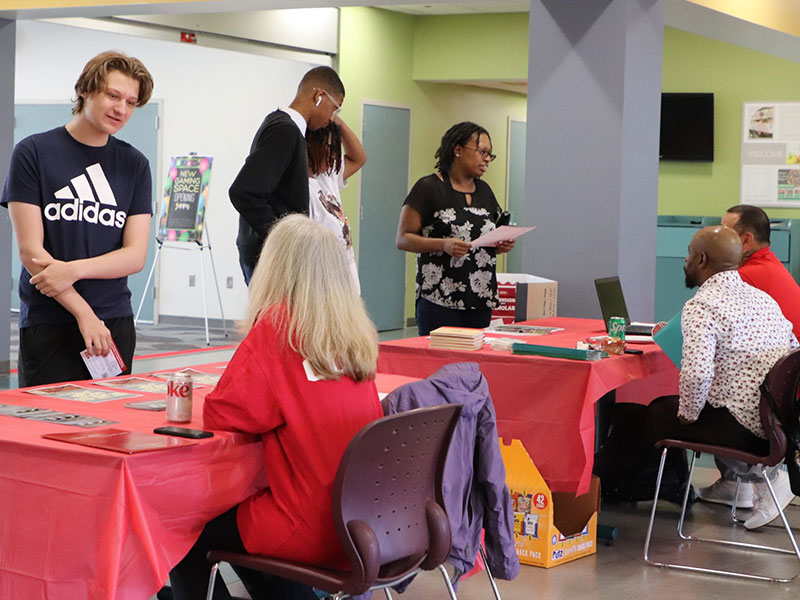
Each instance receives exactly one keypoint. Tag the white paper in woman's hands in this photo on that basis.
(501, 234)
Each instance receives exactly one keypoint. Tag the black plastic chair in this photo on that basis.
(782, 380)
(388, 508)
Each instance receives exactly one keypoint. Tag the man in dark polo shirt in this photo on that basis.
(273, 181)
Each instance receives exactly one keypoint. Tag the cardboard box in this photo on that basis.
(524, 297)
(550, 528)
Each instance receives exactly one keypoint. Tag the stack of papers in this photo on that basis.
(457, 338)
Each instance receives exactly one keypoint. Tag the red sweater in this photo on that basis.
(305, 427)
(764, 271)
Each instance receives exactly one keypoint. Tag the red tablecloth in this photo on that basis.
(82, 523)
(547, 403)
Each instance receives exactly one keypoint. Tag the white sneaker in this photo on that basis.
(722, 491)
(765, 510)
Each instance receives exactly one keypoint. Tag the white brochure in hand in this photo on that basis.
(501, 234)
(100, 366)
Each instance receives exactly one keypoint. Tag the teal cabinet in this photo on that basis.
(672, 242)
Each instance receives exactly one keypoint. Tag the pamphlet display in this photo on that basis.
(51, 416)
(185, 199)
(139, 384)
(198, 377)
(70, 391)
(770, 173)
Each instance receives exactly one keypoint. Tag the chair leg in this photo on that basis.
(449, 585)
(646, 552)
(388, 593)
(489, 573)
(734, 518)
(796, 550)
(685, 503)
(781, 512)
(211, 580)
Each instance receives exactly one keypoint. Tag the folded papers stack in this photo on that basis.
(457, 338)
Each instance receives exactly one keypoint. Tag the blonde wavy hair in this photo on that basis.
(304, 268)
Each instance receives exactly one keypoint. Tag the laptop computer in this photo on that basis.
(612, 304)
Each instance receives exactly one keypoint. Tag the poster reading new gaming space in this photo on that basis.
(771, 154)
(183, 206)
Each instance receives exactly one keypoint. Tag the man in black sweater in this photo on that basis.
(274, 179)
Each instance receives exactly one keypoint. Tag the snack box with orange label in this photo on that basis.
(549, 528)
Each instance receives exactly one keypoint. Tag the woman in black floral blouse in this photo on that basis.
(443, 213)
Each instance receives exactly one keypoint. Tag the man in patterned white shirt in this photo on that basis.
(732, 335)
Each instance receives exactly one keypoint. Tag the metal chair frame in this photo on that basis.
(784, 376)
(691, 538)
(375, 494)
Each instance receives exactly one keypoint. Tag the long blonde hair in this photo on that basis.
(303, 268)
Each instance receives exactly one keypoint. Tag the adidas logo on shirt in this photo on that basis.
(86, 206)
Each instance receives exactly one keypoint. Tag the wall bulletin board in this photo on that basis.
(770, 168)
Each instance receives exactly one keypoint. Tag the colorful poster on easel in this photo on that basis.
(183, 206)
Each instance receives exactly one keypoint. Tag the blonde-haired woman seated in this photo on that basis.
(303, 379)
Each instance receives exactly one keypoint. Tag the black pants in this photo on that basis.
(431, 316)
(714, 426)
(51, 353)
(189, 579)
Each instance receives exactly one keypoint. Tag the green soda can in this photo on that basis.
(616, 327)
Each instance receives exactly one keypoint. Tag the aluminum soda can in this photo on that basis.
(179, 398)
(616, 327)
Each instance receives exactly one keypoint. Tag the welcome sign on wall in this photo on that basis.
(770, 169)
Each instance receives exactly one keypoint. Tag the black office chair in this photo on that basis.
(782, 380)
(388, 508)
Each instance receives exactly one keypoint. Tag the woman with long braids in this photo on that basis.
(443, 213)
(328, 171)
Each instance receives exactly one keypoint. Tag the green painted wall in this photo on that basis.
(491, 47)
(377, 62)
(392, 57)
(736, 75)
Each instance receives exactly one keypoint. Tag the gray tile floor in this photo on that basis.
(615, 571)
(618, 571)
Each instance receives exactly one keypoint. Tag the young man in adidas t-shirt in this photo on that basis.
(80, 203)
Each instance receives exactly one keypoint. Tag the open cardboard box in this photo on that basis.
(550, 528)
(524, 297)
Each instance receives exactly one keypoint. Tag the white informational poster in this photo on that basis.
(771, 154)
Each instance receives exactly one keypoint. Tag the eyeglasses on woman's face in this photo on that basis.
(486, 154)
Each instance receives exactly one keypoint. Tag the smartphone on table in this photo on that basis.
(185, 432)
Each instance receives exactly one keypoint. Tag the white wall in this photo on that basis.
(213, 101)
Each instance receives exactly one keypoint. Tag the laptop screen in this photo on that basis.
(612, 302)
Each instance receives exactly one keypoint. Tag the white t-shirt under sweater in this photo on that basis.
(325, 208)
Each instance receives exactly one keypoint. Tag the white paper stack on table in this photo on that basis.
(457, 338)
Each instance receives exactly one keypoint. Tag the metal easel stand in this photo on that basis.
(199, 246)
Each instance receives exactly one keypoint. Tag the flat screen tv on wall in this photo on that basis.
(687, 127)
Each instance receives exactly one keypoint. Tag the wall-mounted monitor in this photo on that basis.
(687, 127)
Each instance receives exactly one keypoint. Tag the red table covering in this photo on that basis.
(83, 523)
(547, 403)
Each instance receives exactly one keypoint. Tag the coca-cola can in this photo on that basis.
(179, 398)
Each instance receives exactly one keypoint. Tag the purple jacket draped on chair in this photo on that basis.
(475, 492)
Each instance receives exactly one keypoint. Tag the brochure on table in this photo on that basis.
(770, 170)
